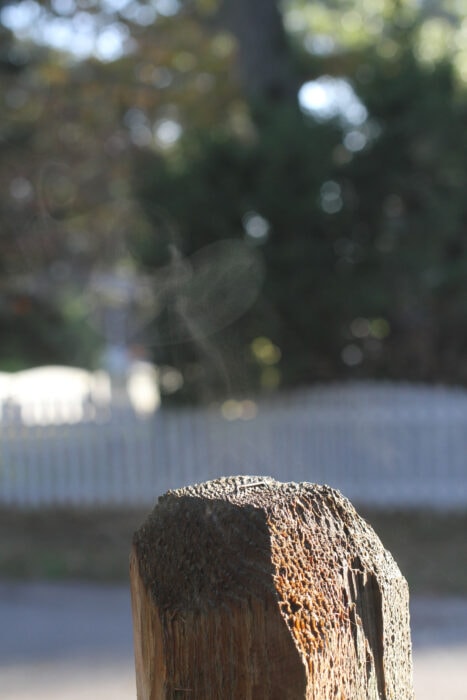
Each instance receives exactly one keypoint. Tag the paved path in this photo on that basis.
(65, 642)
(439, 637)
(74, 642)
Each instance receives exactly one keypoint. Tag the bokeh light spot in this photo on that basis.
(256, 226)
(380, 328)
(360, 327)
(21, 189)
(329, 98)
(265, 351)
(167, 132)
(352, 355)
(331, 197)
(270, 378)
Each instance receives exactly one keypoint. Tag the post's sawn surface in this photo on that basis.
(246, 588)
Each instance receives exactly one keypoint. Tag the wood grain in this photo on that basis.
(245, 588)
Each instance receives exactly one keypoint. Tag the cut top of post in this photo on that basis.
(227, 526)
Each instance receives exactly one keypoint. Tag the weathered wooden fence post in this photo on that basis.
(246, 588)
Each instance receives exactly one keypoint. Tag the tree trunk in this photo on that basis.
(264, 60)
(247, 588)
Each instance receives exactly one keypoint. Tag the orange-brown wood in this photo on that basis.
(248, 589)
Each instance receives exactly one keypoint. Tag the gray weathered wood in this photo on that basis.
(245, 588)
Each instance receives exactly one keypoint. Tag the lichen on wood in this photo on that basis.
(245, 587)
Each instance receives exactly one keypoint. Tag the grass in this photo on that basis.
(67, 543)
(91, 544)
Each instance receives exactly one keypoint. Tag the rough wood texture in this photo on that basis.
(249, 589)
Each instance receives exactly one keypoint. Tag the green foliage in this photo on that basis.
(365, 254)
(35, 333)
(219, 182)
(409, 193)
(355, 233)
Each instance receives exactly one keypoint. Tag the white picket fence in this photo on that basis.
(380, 444)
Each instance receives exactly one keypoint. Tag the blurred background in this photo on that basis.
(232, 240)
